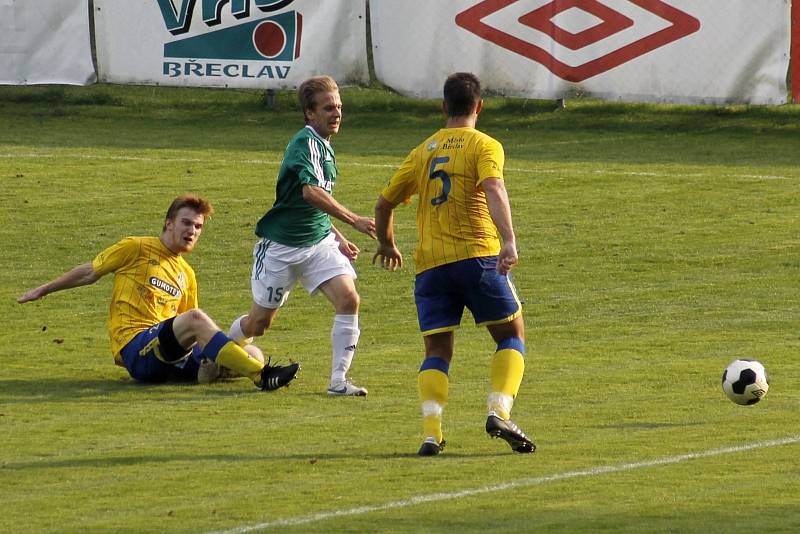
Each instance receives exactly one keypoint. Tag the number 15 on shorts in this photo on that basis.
(275, 294)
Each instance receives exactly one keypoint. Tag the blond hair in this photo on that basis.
(309, 89)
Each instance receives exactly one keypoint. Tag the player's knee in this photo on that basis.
(349, 303)
(198, 319)
(514, 329)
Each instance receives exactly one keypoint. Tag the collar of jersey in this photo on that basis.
(313, 131)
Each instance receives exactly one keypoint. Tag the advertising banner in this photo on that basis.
(795, 53)
(690, 51)
(45, 42)
(230, 43)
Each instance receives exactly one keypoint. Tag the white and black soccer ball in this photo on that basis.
(254, 352)
(745, 381)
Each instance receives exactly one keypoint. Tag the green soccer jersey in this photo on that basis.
(308, 159)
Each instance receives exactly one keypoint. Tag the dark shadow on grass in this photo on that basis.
(170, 118)
(644, 425)
(310, 458)
(14, 391)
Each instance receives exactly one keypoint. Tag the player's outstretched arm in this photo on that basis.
(500, 210)
(82, 275)
(390, 257)
(320, 199)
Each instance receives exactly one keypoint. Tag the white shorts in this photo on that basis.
(277, 268)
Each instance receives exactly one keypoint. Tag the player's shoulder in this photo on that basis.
(308, 133)
(432, 142)
(484, 137)
(305, 139)
(133, 242)
(186, 266)
(485, 143)
(121, 252)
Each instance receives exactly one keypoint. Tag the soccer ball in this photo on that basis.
(745, 381)
(226, 374)
(254, 352)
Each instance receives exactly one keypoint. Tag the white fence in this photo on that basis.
(45, 42)
(716, 51)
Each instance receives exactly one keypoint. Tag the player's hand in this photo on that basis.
(349, 249)
(390, 257)
(365, 225)
(33, 294)
(507, 258)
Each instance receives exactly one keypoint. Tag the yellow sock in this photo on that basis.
(508, 366)
(433, 384)
(228, 353)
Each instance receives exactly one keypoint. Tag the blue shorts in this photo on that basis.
(155, 356)
(441, 293)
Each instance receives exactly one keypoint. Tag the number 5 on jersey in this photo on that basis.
(434, 174)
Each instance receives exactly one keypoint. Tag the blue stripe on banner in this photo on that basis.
(512, 343)
(215, 344)
(435, 362)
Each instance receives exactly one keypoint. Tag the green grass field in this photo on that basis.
(657, 244)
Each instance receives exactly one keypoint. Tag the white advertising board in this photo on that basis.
(691, 51)
(230, 43)
(43, 42)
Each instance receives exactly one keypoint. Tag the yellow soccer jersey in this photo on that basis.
(453, 221)
(151, 284)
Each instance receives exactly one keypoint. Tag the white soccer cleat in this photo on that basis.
(345, 388)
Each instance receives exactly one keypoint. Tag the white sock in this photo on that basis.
(432, 408)
(500, 404)
(236, 333)
(344, 338)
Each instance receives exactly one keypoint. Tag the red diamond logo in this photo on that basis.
(609, 22)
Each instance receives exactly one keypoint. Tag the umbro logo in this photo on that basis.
(578, 39)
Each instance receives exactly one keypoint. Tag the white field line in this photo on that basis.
(514, 484)
(34, 155)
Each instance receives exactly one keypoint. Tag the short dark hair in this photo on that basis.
(195, 202)
(462, 92)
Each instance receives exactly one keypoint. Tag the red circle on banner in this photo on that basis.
(269, 39)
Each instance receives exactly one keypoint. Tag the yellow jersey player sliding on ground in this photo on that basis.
(460, 261)
(157, 331)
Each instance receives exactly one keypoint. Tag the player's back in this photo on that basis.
(453, 218)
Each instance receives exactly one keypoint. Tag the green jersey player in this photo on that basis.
(308, 160)
(298, 242)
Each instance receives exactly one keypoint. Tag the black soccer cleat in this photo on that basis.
(430, 447)
(511, 433)
(277, 376)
